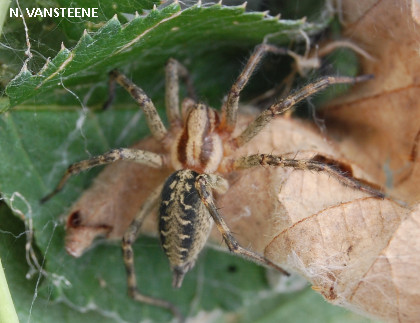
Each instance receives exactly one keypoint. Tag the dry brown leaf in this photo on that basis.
(109, 206)
(379, 125)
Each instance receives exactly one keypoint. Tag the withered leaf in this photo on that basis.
(379, 125)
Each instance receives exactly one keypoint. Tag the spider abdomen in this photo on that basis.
(184, 223)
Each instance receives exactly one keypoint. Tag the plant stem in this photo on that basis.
(7, 310)
(4, 6)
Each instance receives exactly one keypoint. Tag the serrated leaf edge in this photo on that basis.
(86, 38)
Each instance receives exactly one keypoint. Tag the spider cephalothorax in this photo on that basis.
(199, 147)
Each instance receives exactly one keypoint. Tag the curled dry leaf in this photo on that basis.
(109, 206)
(334, 236)
(379, 125)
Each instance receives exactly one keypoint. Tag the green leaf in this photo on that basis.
(4, 8)
(7, 309)
(30, 306)
(300, 306)
(170, 32)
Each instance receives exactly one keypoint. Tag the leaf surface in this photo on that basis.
(170, 32)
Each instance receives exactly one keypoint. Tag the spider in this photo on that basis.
(198, 146)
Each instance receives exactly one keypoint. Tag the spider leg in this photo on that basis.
(173, 70)
(127, 242)
(154, 122)
(278, 108)
(310, 164)
(146, 158)
(230, 108)
(204, 184)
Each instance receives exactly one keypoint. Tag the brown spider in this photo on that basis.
(199, 146)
